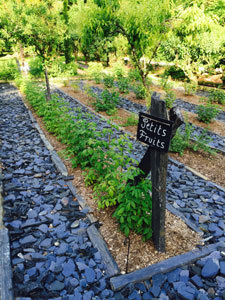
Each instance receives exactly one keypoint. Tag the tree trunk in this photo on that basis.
(22, 55)
(18, 65)
(48, 91)
(68, 51)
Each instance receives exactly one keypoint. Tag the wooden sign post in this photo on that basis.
(156, 131)
(158, 161)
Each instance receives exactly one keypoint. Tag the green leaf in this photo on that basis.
(127, 231)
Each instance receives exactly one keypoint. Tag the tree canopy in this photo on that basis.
(183, 31)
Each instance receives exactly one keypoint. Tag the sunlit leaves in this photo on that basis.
(36, 23)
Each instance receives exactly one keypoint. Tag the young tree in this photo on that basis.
(94, 23)
(37, 23)
(145, 25)
(198, 35)
(201, 34)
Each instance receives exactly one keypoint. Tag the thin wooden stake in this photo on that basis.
(159, 161)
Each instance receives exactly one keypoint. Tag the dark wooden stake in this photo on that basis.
(158, 162)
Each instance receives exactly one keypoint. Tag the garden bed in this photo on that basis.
(202, 162)
(142, 254)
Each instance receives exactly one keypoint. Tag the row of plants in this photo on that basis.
(104, 160)
(205, 113)
(185, 139)
(128, 80)
(125, 82)
(210, 109)
(108, 101)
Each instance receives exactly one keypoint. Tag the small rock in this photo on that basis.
(89, 274)
(203, 219)
(211, 268)
(155, 290)
(65, 201)
(68, 268)
(27, 240)
(56, 286)
(46, 243)
(43, 228)
(62, 249)
(88, 295)
(75, 224)
(81, 266)
(74, 282)
(211, 291)
(15, 224)
(197, 281)
(202, 296)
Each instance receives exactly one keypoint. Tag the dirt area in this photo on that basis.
(142, 254)
(204, 163)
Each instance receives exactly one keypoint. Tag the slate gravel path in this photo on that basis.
(52, 255)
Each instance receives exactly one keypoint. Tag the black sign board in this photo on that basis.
(155, 132)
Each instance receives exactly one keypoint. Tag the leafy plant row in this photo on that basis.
(104, 160)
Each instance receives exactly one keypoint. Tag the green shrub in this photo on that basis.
(107, 101)
(95, 71)
(190, 88)
(118, 71)
(181, 141)
(175, 73)
(217, 96)
(8, 69)
(97, 78)
(169, 98)
(70, 69)
(108, 80)
(140, 91)
(59, 68)
(18, 80)
(66, 83)
(36, 67)
(75, 86)
(206, 113)
(165, 83)
(134, 75)
(134, 212)
(123, 84)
